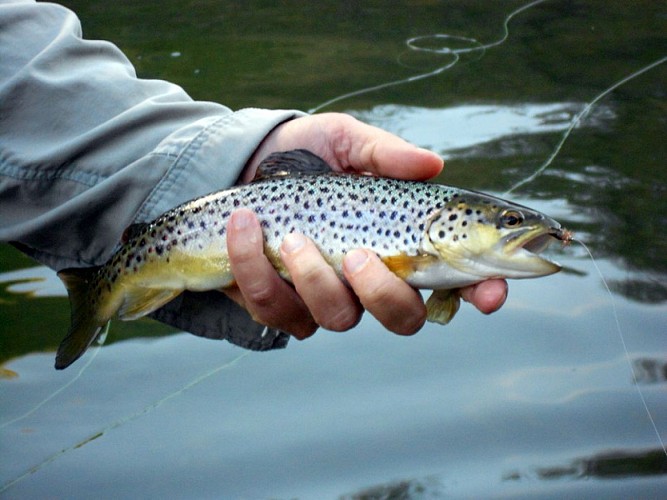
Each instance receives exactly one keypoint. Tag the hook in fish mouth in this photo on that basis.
(562, 234)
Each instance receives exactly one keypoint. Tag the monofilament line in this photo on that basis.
(455, 53)
(122, 421)
(575, 121)
(100, 341)
(635, 382)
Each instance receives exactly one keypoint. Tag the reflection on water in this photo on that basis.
(527, 402)
(469, 130)
(38, 281)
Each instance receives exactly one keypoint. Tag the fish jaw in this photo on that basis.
(518, 254)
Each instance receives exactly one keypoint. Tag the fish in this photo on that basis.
(431, 235)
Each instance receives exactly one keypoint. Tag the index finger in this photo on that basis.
(379, 152)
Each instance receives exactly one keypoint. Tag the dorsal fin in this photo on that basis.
(293, 163)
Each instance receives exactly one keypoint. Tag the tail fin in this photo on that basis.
(85, 324)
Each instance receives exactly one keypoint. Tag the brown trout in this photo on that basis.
(432, 236)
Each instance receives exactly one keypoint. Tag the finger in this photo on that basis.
(268, 298)
(487, 296)
(331, 303)
(391, 300)
(348, 144)
(368, 148)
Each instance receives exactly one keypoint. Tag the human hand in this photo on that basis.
(319, 297)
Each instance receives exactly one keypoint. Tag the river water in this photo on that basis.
(537, 400)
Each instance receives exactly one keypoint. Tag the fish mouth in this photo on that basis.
(526, 246)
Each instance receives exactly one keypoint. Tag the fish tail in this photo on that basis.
(86, 324)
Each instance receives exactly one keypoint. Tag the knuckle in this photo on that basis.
(261, 297)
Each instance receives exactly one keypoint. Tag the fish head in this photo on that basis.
(488, 237)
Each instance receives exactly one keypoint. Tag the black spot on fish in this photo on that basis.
(202, 224)
(464, 223)
(441, 234)
(453, 217)
(311, 218)
(468, 211)
(397, 234)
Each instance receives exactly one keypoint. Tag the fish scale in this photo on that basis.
(432, 236)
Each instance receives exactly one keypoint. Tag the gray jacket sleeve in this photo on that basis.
(87, 148)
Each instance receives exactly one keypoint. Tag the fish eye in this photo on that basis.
(511, 218)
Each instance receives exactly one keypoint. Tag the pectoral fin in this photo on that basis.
(142, 301)
(442, 306)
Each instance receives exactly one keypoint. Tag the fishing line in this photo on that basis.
(575, 121)
(413, 44)
(625, 347)
(100, 342)
(124, 420)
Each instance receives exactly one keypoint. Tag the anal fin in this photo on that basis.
(442, 306)
(139, 302)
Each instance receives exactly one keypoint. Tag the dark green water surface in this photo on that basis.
(537, 400)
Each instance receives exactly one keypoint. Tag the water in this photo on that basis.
(535, 400)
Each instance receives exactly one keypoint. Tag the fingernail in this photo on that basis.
(293, 242)
(355, 260)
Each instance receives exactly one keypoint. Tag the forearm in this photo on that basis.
(87, 148)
